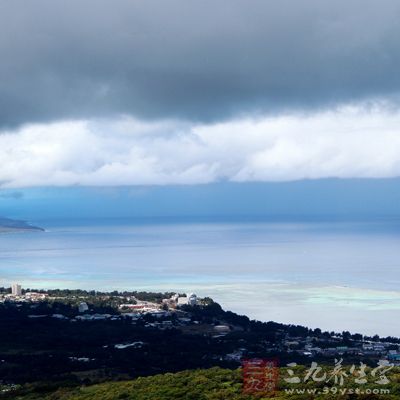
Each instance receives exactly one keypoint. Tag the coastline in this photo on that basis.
(316, 275)
(8, 225)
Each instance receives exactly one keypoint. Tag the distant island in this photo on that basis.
(8, 225)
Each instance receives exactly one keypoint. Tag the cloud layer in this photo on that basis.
(189, 60)
(350, 142)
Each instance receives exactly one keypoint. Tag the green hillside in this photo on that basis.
(210, 384)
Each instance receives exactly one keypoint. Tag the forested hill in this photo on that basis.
(210, 384)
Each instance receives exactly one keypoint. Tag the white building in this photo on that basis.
(192, 299)
(175, 297)
(182, 301)
(224, 329)
(83, 307)
(16, 290)
(33, 296)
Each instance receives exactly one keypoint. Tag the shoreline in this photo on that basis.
(8, 225)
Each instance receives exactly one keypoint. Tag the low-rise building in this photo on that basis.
(83, 307)
(222, 329)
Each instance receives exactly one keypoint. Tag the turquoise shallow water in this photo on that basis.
(334, 275)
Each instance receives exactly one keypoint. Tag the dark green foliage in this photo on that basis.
(210, 384)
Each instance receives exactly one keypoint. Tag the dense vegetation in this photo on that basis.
(211, 384)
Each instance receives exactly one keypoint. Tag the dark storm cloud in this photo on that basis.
(200, 60)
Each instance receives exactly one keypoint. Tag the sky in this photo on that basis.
(210, 110)
(146, 94)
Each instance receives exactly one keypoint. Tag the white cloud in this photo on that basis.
(350, 142)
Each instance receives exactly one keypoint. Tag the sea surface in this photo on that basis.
(336, 275)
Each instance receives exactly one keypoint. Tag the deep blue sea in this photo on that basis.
(334, 275)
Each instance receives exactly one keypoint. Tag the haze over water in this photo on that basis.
(333, 275)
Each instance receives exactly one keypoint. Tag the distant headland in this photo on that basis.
(8, 225)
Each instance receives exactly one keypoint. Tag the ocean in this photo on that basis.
(335, 275)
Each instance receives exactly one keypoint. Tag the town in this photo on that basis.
(188, 313)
